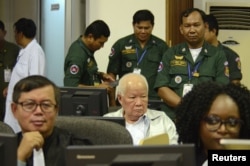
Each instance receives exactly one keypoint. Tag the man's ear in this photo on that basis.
(181, 29)
(119, 97)
(206, 25)
(14, 109)
(214, 31)
(90, 37)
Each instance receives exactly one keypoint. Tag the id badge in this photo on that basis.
(187, 88)
(137, 70)
(7, 75)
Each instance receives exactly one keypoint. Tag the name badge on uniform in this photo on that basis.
(187, 88)
(137, 70)
(7, 75)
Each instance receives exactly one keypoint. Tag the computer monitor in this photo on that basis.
(8, 149)
(118, 120)
(112, 155)
(84, 101)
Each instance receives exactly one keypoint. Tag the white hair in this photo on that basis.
(122, 85)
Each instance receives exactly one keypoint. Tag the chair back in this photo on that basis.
(5, 128)
(99, 132)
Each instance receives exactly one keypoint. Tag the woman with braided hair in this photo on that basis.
(210, 112)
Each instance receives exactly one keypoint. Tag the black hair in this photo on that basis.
(212, 23)
(30, 83)
(187, 12)
(2, 25)
(98, 29)
(26, 26)
(143, 15)
(196, 104)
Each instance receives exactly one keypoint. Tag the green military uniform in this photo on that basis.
(8, 55)
(80, 66)
(127, 56)
(234, 63)
(178, 68)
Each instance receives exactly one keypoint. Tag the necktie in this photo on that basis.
(38, 157)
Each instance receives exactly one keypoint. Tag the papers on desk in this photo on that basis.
(161, 139)
(236, 144)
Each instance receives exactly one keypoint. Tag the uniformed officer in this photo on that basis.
(189, 63)
(140, 52)
(8, 54)
(80, 66)
(233, 58)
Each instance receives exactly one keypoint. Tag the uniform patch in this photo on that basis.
(179, 57)
(128, 47)
(178, 63)
(160, 67)
(112, 52)
(226, 70)
(90, 63)
(128, 64)
(128, 51)
(237, 60)
(178, 79)
(74, 69)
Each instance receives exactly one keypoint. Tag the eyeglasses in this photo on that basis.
(213, 123)
(46, 107)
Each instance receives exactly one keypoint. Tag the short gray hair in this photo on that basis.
(122, 85)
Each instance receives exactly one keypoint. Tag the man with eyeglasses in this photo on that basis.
(211, 112)
(35, 106)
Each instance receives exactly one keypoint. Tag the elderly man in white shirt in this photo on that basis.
(141, 122)
(30, 61)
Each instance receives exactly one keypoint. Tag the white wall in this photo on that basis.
(118, 15)
(12, 10)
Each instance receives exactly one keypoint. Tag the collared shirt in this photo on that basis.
(234, 63)
(138, 129)
(211, 65)
(158, 123)
(30, 61)
(80, 66)
(127, 54)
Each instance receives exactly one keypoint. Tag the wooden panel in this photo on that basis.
(174, 9)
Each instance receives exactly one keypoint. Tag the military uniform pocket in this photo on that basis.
(128, 63)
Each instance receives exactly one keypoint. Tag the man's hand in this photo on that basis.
(29, 141)
(107, 78)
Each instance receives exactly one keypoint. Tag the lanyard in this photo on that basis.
(142, 55)
(190, 74)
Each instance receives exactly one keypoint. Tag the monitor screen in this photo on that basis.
(84, 101)
(114, 155)
(8, 149)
